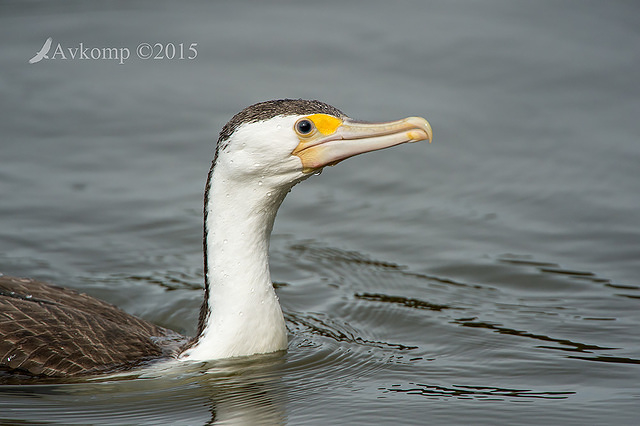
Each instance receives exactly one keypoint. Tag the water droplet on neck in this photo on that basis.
(260, 183)
(225, 241)
(268, 194)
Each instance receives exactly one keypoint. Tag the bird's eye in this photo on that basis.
(304, 126)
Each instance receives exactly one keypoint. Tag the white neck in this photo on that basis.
(242, 315)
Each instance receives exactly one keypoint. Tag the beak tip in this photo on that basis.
(423, 126)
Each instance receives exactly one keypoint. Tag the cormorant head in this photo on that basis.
(287, 140)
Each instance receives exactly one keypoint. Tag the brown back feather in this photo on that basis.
(52, 331)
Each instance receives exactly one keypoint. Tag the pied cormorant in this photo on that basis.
(262, 152)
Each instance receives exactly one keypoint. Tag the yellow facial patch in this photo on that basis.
(326, 124)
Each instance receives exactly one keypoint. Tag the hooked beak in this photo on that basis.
(353, 137)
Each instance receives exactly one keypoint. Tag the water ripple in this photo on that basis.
(486, 393)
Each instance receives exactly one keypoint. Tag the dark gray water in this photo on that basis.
(488, 278)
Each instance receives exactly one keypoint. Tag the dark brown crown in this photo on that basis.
(269, 109)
